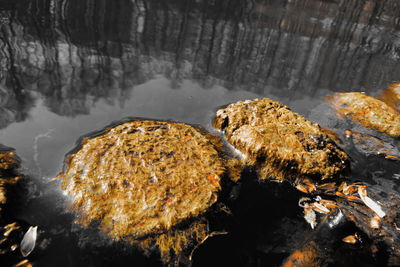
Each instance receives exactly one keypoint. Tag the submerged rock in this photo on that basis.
(143, 177)
(371, 145)
(280, 142)
(367, 111)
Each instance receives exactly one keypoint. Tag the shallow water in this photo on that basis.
(70, 67)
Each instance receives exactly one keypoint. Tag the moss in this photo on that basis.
(281, 143)
(367, 111)
(174, 246)
(143, 177)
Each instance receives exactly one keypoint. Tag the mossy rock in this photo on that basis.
(143, 177)
(279, 142)
(368, 111)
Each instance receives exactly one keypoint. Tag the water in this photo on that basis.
(71, 67)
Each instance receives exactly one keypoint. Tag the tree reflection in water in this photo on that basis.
(74, 52)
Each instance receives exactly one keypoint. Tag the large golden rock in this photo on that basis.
(281, 143)
(367, 111)
(143, 177)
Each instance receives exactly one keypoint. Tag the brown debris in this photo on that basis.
(4, 182)
(281, 143)
(391, 96)
(374, 212)
(23, 263)
(375, 222)
(8, 160)
(143, 177)
(367, 111)
(350, 239)
(8, 163)
(385, 231)
(307, 256)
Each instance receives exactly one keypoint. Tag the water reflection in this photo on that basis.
(76, 52)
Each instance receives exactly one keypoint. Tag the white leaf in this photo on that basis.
(29, 241)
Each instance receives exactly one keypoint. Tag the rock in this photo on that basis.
(280, 142)
(367, 111)
(371, 145)
(143, 177)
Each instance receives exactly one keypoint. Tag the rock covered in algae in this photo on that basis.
(280, 142)
(143, 177)
(367, 111)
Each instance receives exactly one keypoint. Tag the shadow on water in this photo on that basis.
(70, 67)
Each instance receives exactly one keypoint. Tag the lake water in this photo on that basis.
(71, 67)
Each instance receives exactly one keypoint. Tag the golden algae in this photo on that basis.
(177, 245)
(367, 111)
(281, 143)
(143, 177)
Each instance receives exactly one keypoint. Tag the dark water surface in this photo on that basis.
(71, 67)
